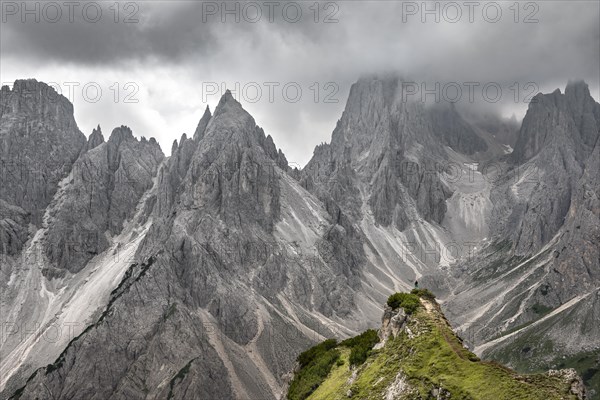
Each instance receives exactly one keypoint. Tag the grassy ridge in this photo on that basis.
(425, 358)
(317, 362)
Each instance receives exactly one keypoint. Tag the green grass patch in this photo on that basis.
(361, 346)
(424, 294)
(335, 386)
(428, 358)
(315, 364)
(408, 301)
(541, 309)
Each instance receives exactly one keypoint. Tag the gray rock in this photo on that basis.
(106, 184)
(454, 131)
(247, 262)
(95, 139)
(39, 142)
(377, 145)
(209, 309)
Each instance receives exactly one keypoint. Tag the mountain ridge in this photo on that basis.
(418, 356)
(253, 262)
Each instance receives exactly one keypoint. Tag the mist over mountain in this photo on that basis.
(128, 274)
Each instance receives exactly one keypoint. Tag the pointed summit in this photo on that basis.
(121, 134)
(585, 111)
(227, 96)
(573, 117)
(229, 118)
(95, 139)
(577, 88)
(199, 133)
(227, 103)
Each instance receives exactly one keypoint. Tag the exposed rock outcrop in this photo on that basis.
(39, 142)
(420, 357)
(378, 144)
(241, 262)
(105, 186)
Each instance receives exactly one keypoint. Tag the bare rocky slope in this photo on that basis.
(204, 275)
(531, 296)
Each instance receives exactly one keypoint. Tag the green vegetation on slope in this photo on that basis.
(428, 359)
(360, 346)
(588, 366)
(408, 301)
(423, 293)
(532, 353)
(315, 364)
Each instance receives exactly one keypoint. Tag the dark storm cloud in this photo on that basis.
(368, 36)
(137, 31)
(141, 31)
(179, 45)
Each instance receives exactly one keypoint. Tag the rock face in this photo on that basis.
(13, 227)
(236, 263)
(105, 187)
(555, 118)
(65, 203)
(392, 323)
(377, 151)
(558, 135)
(243, 270)
(39, 142)
(454, 131)
(539, 280)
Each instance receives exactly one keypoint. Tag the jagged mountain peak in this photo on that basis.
(229, 122)
(40, 91)
(21, 85)
(199, 133)
(231, 127)
(35, 121)
(121, 134)
(28, 96)
(577, 87)
(386, 109)
(226, 103)
(124, 133)
(385, 85)
(570, 120)
(95, 139)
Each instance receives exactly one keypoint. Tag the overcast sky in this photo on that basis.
(158, 64)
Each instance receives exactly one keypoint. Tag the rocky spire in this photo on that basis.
(199, 133)
(35, 122)
(584, 110)
(121, 134)
(95, 139)
(571, 119)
